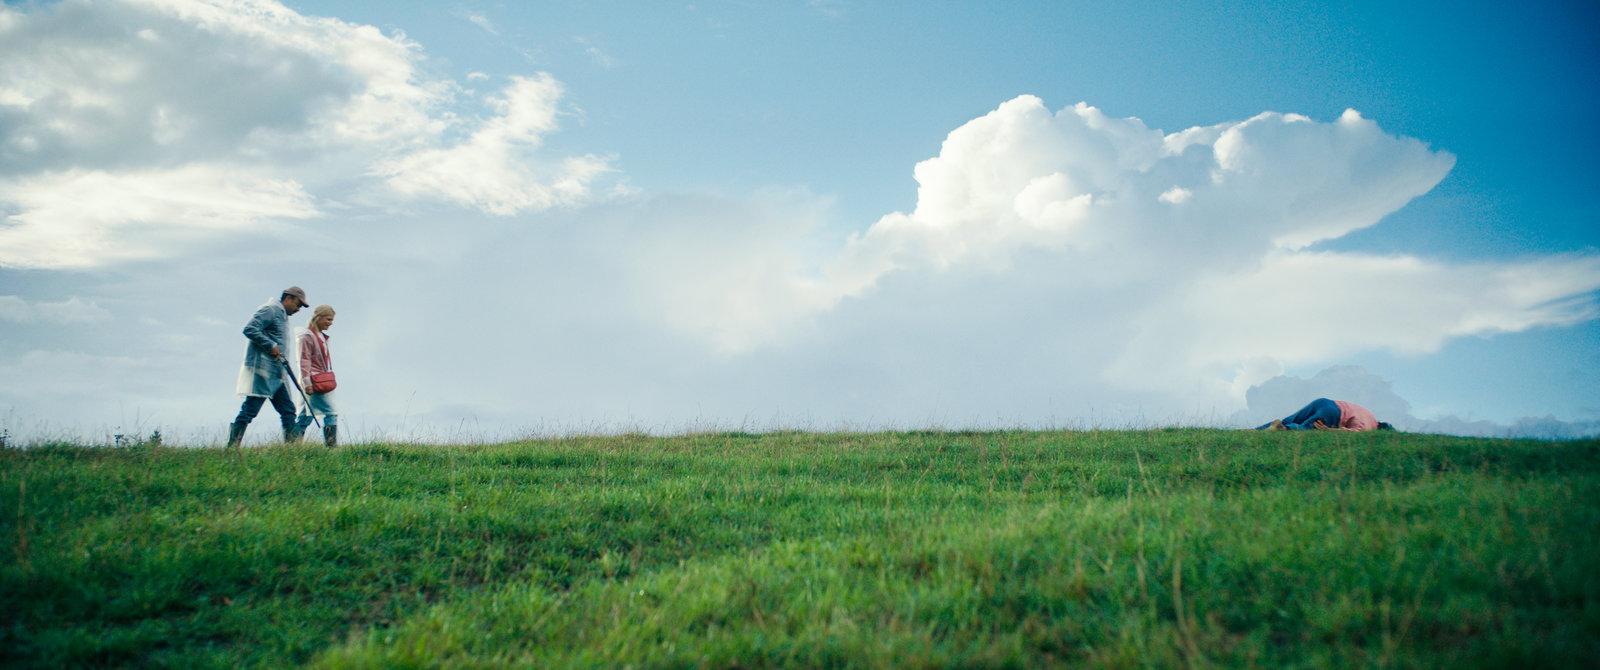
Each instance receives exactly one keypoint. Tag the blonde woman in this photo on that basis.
(316, 375)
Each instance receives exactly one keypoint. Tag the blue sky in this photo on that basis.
(648, 215)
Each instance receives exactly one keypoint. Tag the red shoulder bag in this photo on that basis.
(323, 382)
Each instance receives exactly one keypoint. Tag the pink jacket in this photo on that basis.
(1351, 416)
(315, 357)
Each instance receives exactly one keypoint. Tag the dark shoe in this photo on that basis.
(292, 434)
(330, 435)
(236, 434)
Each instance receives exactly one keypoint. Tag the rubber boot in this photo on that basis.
(292, 433)
(330, 435)
(236, 434)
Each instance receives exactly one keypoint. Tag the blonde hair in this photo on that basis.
(319, 312)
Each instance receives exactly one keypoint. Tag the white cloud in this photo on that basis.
(273, 111)
(480, 20)
(1174, 264)
(491, 170)
(1305, 307)
(596, 55)
(72, 311)
(79, 219)
(258, 80)
(730, 272)
(1098, 189)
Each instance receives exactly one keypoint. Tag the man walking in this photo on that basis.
(261, 376)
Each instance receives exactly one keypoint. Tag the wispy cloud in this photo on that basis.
(596, 55)
(832, 9)
(480, 20)
(72, 311)
(492, 169)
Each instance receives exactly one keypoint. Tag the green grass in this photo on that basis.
(1166, 548)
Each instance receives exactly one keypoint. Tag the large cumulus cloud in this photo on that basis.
(1121, 205)
(1183, 265)
(1105, 191)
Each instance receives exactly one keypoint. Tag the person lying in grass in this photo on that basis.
(1325, 414)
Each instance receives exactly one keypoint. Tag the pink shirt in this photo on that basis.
(1355, 417)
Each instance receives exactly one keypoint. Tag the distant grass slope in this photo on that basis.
(998, 549)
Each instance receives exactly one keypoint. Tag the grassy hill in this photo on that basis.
(924, 549)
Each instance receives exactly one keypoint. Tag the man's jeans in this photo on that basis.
(280, 402)
(1320, 409)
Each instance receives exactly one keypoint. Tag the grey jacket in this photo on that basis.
(262, 375)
